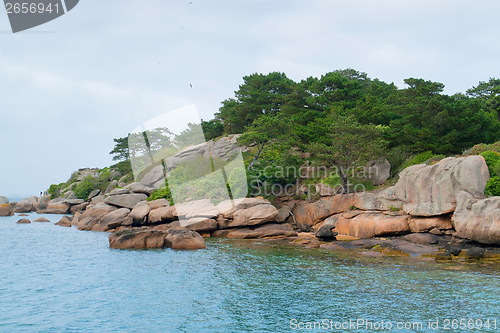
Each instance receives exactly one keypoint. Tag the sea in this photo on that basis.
(58, 279)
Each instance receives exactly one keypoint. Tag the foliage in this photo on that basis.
(105, 176)
(55, 190)
(258, 95)
(488, 93)
(493, 187)
(397, 156)
(123, 167)
(492, 161)
(418, 159)
(193, 135)
(212, 129)
(84, 188)
(162, 193)
(120, 151)
(234, 181)
(345, 143)
(482, 147)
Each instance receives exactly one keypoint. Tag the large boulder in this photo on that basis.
(158, 203)
(90, 217)
(200, 224)
(224, 148)
(369, 224)
(429, 190)
(125, 200)
(267, 230)
(426, 224)
(52, 208)
(140, 213)
(146, 238)
(227, 207)
(378, 171)
(184, 239)
(137, 239)
(94, 194)
(196, 208)
(65, 221)
(312, 213)
(155, 178)
(111, 186)
(381, 200)
(118, 191)
(23, 206)
(259, 214)
(113, 220)
(78, 208)
(140, 188)
(6, 210)
(162, 215)
(477, 220)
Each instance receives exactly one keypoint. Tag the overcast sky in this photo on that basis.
(70, 86)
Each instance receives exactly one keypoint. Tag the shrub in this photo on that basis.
(104, 176)
(493, 187)
(123, 167)
(418, 159)
(481, 148)
(55, 190)
(83, 189)
(162, 193)
(492, 158)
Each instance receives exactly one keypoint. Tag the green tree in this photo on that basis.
(192, 135)
(488, 93)
(345, 143)
(120, 152)
(264, 130)
(212, 129)
(259, 95)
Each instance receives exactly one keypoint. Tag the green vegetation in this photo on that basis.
(84, 188)
(340, 120)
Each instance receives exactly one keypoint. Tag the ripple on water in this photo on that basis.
(55, 279)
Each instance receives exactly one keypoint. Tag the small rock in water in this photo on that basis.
(41, 219)
(454, 249)
(23, 214)
(475, 253)
(326, 233)
(443, 256)
(23, 221)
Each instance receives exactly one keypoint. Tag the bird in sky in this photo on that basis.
(191, 85)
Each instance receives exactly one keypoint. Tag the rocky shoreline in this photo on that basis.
(437, 211)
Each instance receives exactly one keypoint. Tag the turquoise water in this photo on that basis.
(56, 279)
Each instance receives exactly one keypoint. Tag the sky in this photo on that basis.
(70, 86)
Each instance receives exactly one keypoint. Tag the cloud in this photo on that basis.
(114, 64)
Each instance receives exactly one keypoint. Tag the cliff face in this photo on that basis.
(444, 198)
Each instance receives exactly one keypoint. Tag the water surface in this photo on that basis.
(56, 279)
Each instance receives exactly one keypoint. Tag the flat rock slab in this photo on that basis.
(147, 238)
(269, 230)
(125, 200)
